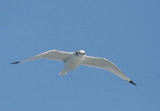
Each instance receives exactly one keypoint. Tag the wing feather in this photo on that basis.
(103, 63)
(53, 54)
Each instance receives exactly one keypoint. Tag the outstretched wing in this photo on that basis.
(53, 54)
(105, 64)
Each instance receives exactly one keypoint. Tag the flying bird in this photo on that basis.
(74, 59)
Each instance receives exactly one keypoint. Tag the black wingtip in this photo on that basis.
(132, 82)
(15, 62)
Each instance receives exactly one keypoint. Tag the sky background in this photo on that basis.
(127, 32)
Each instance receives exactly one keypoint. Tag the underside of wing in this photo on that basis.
(53, 54)
(104, 64)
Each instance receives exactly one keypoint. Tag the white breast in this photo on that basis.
(72, 63)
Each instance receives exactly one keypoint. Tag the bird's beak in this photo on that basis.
(84, 53)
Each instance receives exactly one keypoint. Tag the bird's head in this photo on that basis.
(80, 52)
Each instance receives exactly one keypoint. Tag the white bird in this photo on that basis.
(73, 59)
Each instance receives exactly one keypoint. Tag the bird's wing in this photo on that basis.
(103, 63)
(53, 54)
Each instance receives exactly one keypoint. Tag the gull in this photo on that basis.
(74, 59)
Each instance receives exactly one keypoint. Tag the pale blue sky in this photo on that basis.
(123, 31)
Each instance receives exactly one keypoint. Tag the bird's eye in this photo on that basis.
(79, 52)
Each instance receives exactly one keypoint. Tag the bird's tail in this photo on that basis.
(62, 73)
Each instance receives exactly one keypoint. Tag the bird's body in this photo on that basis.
(72, 63)
(73, 59)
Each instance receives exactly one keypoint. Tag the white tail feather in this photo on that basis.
(62, 73)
